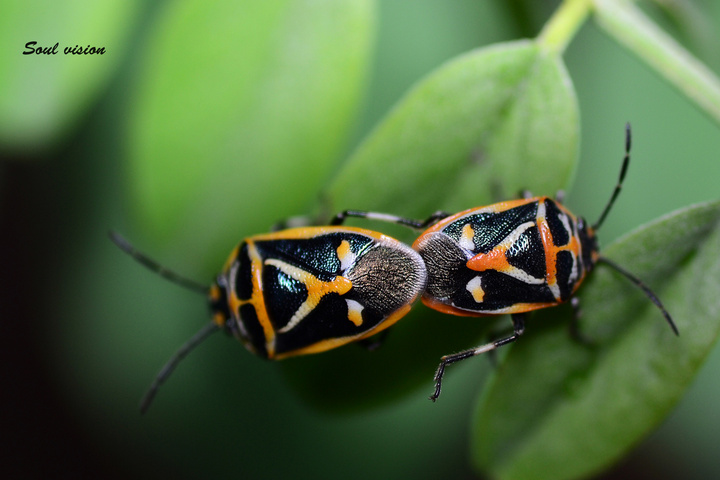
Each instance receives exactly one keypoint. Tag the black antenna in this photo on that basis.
(648, 293)
(151, 264)
(618, 187)
(173, 362)
(646, 290)
(165, 372)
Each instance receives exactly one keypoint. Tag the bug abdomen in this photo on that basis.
(510, 257)
(312, 289)
(455, 288)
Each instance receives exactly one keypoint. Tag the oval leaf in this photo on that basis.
(240, 112)
(480, 129)
(559, 409)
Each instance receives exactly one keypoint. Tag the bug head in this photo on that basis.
(588, 243)
(218, 300)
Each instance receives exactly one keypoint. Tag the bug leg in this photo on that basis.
(525, 193)
(560, 196)
(492, 355)
(518, 320)
(492, 358)
(434, 218)
(340, 218)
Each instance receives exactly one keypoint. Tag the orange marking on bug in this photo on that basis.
(331, 343)
(355, 312)
(316, 289)
(494, 208)
(515, 308)
(214, 295)
(467, 238)
(474, 286)
(231, 259)
(449, 309)
(257, 299)
(495, 259)
(219, 319)
(345, 255)
(552, 250)
(311, 232)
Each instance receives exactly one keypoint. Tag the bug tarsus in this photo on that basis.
(518, 320)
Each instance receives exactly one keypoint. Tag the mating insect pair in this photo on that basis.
(308, 290)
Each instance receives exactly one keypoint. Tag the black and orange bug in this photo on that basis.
(508, 258)
(301, 291)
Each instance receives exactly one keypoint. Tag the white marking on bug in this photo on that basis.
(301, 276)
(474, 286)
(566, 223)
(515, 235)
(316, 289)
(513, 271)
(484, 348)
(384, 217)
(346, 256)
(355, 312)
(555, 290)
(541, 218)
(300, 313)
(523, 276)
(540, 212)
(574, 271)
(467, 239)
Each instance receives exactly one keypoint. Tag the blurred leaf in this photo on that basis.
(241, 110)
(42, 96)
(490, 122)
(628, 25)
(479, 129)
(558, 409)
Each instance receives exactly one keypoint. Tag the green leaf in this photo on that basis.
(558, 409)
(43, 96)
(481, 128)
(240, 111)
(627, 24)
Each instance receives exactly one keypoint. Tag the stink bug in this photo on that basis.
(302, 290)
(511, 257)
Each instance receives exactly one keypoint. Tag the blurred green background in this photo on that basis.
(85, 329)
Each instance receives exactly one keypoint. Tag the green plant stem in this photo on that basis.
(562, 26)
(623, 21)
